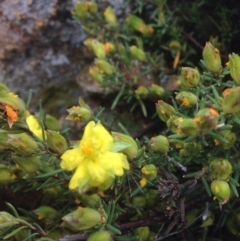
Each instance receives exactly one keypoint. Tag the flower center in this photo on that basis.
(87, 148)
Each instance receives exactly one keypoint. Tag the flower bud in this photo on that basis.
(137, 53)
(149, 173)
(98, 49)
(21, 235)
(135, 22)
(130, 151)
(52, 123)
(22, 144)
(82, 219)
(190, 77)
(156, 91)
(152, 197)
(220, 169)
(12, 100)
(231, 100)
(221, 190)
(139, 201)
(190, 149)
(12, 107)
(175, 45)
(141, 92)
(56, 142)
(92, 200)
(104, 67)
(80, 113)
(7, 217)
(92, 7)
(96, 74)
(28, 164)
(110, 16)
(80, 10)
(186, 99)
(53, 192)
(212, 58)
(5, 176)
(46, 212)
(164, 110)
(88, 42)
(229, 136)
(4, 89)
(159, 144)
(188, 126)
(109, 48)
(142, 233)
(207, 119)
(101, 235)
(234, 64)
(173, 123)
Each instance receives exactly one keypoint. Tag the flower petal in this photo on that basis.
(79, 178)
(71, 159)
(114, 162)
(97, 172)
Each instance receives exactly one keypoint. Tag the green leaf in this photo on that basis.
(13, 209)
(50, 173)
(207, 188)
(113, 229)
(14, 232)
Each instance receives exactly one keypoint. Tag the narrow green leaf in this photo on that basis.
(234, 189)
(218, 137)
(207, 188)
(113, 229)
(50, 173)
(25, 222)
(15, 213)
(233, 181)
(177, 136)
(14, 232)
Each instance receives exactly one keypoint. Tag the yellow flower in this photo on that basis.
(34, 126)
(95, 163)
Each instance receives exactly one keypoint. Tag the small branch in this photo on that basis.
(74, 237)
(125, 227)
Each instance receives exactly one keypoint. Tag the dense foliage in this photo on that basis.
(179, 181)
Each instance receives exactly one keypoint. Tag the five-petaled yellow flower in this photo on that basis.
(95, 163)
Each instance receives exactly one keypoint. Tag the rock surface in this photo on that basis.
(41, 49)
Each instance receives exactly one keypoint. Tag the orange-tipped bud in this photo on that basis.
(220, 169)
(186, 99)
(22, 144)
(80, 113)
(82, 219)
(221, 190)
(56, 142)
(110, 16)
(206, 119)
(212, 59)
(159, 144)
(234, 64)
(190, 78)
(101, 235)
(164, 110)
